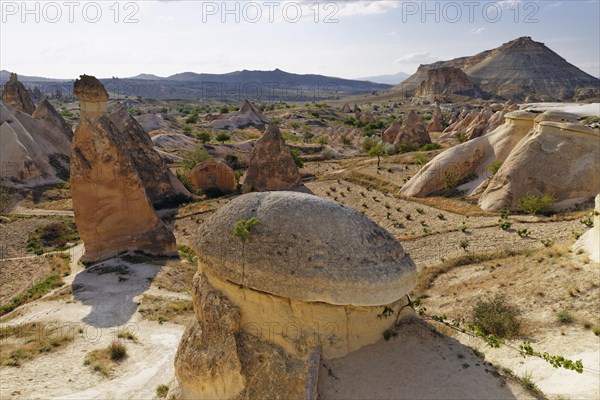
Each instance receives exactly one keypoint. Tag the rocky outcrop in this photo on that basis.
(549, 153)
(470, 159)
(473, 124)
(268, 306)
(17, 96)
(112, 210)
(445, 81)
(590, 241)
(515, 70)
(271, 166)
(559, 157)
(162, 187)
(213, 174)
(34, 150)
(410, 132)
(437, 123)
(248, 115)
(346, 109)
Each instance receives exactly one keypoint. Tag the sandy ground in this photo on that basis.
(416, 365)
(102, 305)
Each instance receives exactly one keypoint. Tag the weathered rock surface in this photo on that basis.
(174, 141)
(213, 174)
(34, 151)
(559, 156)
(445, 81)
(112, 210)
(162, 187)
(473, 124)
(247, 115)
(271, 165)
(369, 265)
(346, 108)
(590, 241)
(310, 280)
(17, 96)
(437, 123)
(411, 131)
(470, 158)
(515, 70)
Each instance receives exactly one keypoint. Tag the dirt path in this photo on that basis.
(40, 212)
(105, 302)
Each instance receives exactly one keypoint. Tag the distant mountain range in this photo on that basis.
(387, 79)
(521, 69)
(274, 85)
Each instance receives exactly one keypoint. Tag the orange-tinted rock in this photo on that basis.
(411, 131)
(213, 174)
(112, 210)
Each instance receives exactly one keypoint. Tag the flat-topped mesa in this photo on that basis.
(92, 97)
(310, 277)
(17, 96)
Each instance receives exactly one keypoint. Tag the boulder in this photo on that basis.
(271, 166)
(17, 96)
(410, 132)
(559, 156)
(248, 115)
(308, 281)
(213, 174)
(113, 212)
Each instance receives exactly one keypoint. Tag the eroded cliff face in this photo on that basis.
(446, 81)
(112, 210)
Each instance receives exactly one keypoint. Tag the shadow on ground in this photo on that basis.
(417, 364)
(110, 287)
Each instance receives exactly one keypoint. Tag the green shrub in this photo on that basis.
(162, 391)
(242, 228)
(295, 153)
(194, 157)
(408, 147)
(431, 146)
(204, 136)
(524, 232)
(53, 236)
(504, 224)
(378, 151)
(587, 221)
(533, 204)
(494, 167)
(495, 316)
(565, 317)
(420, 160)
(223, 137)
(461, 137)
(322, 140)
(450, 182)
(192, 119)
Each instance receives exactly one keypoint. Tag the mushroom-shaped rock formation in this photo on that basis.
(308, 278)
(17, 96)
(271, 165)
(112, 210)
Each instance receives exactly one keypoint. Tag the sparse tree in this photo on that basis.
(204, 136)
(378, 151)
(223, 137)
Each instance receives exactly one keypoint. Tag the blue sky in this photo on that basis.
(362, 38)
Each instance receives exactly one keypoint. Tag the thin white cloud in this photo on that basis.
(417, 58)
(351, 8)
(477, 31)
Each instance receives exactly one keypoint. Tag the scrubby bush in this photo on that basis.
(431, 146)
(242, 228)
(295, 153)
(565, 317)
(117, 350)
(194, 157)
(494, 167)
(322, 140)
(504, 224)
(204, 136)
(223, 137)
(532, 204)
(495, 316)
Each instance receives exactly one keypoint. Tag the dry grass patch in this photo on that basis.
(22, 343)
(161, 309)
(106, 360)
(176, 277)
